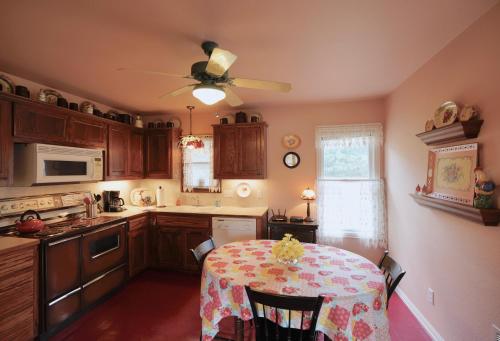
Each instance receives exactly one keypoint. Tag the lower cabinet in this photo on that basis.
(138, 242)
(18, 293)
(173, 237)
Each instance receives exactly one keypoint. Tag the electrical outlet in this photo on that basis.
(259, 194)
(430, 296)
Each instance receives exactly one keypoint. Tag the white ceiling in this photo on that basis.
(329, 50)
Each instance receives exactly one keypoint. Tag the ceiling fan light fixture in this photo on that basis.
(209, 94)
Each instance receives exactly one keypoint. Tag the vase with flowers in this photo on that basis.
(288, 250)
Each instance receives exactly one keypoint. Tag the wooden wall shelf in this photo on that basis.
(455, 132)
(487, 217)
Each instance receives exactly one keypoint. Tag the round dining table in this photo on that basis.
(354, 305)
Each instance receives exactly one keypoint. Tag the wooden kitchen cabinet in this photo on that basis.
(19, 293)
(160, 146)
(87, 132)
(174, 235)
(6, 145)
(240, 151)
(136, 154)
(138, 242)
(170, 247)
(118, 152)
(37, 122)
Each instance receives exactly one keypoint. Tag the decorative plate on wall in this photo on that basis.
(243, 190)
(290, 141)
(446, 114)
(142, 197)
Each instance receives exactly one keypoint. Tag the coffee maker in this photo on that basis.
(112, 201)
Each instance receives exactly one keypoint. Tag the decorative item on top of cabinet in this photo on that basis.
(240, 151)
(6, 145)
(162, 153)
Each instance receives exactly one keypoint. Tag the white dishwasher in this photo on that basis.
(226, 229)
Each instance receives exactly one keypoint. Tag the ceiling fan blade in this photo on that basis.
(220, 61)
(231, 98)
(179, 91)
(259, 84)
(153, 72)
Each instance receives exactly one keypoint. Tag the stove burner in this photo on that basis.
(50, 231)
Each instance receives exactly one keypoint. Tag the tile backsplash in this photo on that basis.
(228, 197)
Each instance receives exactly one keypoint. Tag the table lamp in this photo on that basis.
(308, 195)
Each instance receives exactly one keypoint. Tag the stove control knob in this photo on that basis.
(13, 206)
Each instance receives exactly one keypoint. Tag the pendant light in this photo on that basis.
(190, 141)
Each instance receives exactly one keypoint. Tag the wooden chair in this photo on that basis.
(201, 251)
(265, 330)
(393, 273)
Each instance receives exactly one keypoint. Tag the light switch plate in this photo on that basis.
(430, 296)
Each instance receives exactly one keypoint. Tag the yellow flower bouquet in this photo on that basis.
(288, 250)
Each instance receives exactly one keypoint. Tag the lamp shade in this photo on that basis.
(209, 94)
(308, 194)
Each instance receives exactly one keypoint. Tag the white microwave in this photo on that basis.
(38, 164)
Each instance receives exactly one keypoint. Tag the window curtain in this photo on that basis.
(352, 207)
(198, 166)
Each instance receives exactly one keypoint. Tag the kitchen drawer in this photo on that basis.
(63, 307)
(192, 221)
(15, 261)
(138, 223)
(104, 284)
(103, 249)
(62, 259)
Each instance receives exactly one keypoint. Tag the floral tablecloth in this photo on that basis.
(354, 288)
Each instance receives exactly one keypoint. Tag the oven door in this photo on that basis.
(102, 250)
(54, 168)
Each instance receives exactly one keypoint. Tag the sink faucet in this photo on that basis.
(196, 200)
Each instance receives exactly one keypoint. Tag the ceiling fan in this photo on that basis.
(213, 79)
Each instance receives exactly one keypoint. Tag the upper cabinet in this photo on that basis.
(117, 152)
(6, 146)
(136, 154)
(240, 151)
(38, 122)
(161, 153)
(87, 132)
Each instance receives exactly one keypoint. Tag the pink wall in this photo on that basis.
(285, 185)
(460, 260)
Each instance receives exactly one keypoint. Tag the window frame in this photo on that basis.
(198, 189)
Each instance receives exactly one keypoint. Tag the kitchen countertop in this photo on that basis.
(212, 210)
(8, 244)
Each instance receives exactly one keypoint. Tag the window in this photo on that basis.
(351, 197)
(197, 168)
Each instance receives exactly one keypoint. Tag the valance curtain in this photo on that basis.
(198, 167)
(351, 204)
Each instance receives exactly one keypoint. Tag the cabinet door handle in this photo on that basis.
(64, 240)
(108, 250)
(103, 229)
(103, 275)
(65, 296)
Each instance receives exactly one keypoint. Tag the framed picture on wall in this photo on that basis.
(450, 173)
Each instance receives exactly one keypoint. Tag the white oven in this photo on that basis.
(36, 164)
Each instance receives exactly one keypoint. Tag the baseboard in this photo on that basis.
(419, 316)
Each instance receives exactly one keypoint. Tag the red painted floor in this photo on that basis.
(165, 306)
